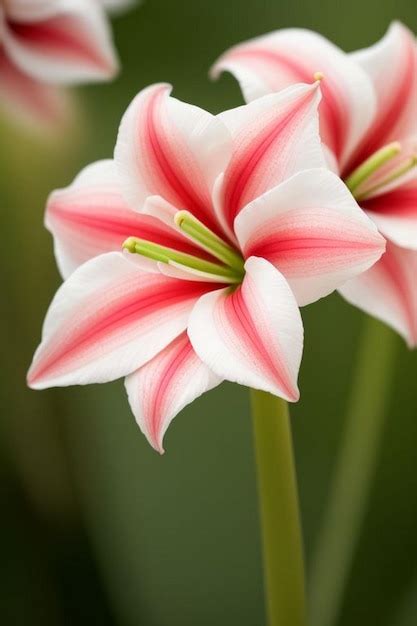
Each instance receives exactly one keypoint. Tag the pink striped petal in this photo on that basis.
(171, 149)
(91, 217)
(391, 64)
(311, 229)
(252, 335)
(108, 319)
(284, 57)
(74, 45)
(30, 10)
(395, 214)
(273, 137)
(388, 291)
(31, 102)
(159, 390)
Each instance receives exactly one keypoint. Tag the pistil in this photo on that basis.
(371, 165)
(208, 240)
(171, 256)
(400, 171)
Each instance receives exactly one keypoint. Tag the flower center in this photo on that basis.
(230, 268)
(375, 173)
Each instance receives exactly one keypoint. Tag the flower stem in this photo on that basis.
(281, 530)
(353, 475)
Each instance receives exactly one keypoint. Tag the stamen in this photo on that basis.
(408, 165)
(373, 163)
(162, 254)
(318, 76)
(208, 240)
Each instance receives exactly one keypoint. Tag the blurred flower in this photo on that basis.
(45, 44)
(368, 120)
(225, 221)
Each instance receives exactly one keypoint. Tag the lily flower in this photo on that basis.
(368, 121)
(228, 223)
(45, 44)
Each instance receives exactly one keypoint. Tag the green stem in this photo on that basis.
(281, 530)
(353, 475)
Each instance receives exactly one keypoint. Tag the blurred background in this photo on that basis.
(95, 527)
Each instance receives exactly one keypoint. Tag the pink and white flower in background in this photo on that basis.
(368, 120)
(228, 224)
(46, 44)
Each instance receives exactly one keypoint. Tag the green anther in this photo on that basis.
(397, 173)
(166, 255)
(208, 240)
(371, 165)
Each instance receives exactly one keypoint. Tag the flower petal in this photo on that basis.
(74, 45)
(29, 101)
(274, 137)
(288, 56)
(159, 390)
(252, 335)
(391, 64)
(91, 217)
(171, 149)
(311, 229)
(33, 11)
(388, 291)
(395, 214)
(108, 319)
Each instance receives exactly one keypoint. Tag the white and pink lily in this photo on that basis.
(368, 120)
(45, 44)
(228, 224)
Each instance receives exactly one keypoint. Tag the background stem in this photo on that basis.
(354, 472)
(281, 531)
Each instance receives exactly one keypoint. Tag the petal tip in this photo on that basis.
(291, 394)
(216, 69)
(33, 381)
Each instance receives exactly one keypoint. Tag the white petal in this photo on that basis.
(159, 390)
(312, 230)
(273, 138)
(171, 149)
(37, 105)
(74, 45)
(91, 217)
(252, 335)
(272, 62)
(108, 319)
(388, 291)
(391, 64)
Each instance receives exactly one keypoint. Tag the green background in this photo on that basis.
(97, 528)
